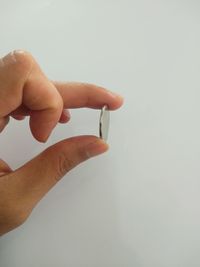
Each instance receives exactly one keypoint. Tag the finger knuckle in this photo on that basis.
(65, 164)
(21, 54)
(17, 59)
(22, 59)
(17, 65)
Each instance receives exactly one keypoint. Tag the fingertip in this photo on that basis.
(99, 146)
(18, 117)
(40, 138)
(65, 116)
(40, 133)
(114, 100)
(117, 102)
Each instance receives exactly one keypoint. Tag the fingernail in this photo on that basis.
(44, 137)
(96, 148)
(66, 113)
(115, 95)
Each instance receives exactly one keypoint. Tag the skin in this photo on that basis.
(26, 91)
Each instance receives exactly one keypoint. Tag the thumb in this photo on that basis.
(34, 179)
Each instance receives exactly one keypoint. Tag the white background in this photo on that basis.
(139, 204)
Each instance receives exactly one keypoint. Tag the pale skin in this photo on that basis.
(26, 91)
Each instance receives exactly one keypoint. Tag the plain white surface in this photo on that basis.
(138, 205)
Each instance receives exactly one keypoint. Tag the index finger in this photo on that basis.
(78, 95)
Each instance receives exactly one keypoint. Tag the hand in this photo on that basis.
(26, 91)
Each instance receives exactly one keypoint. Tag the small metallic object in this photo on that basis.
(104, 123)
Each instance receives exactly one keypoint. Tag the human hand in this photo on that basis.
(26, 91)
